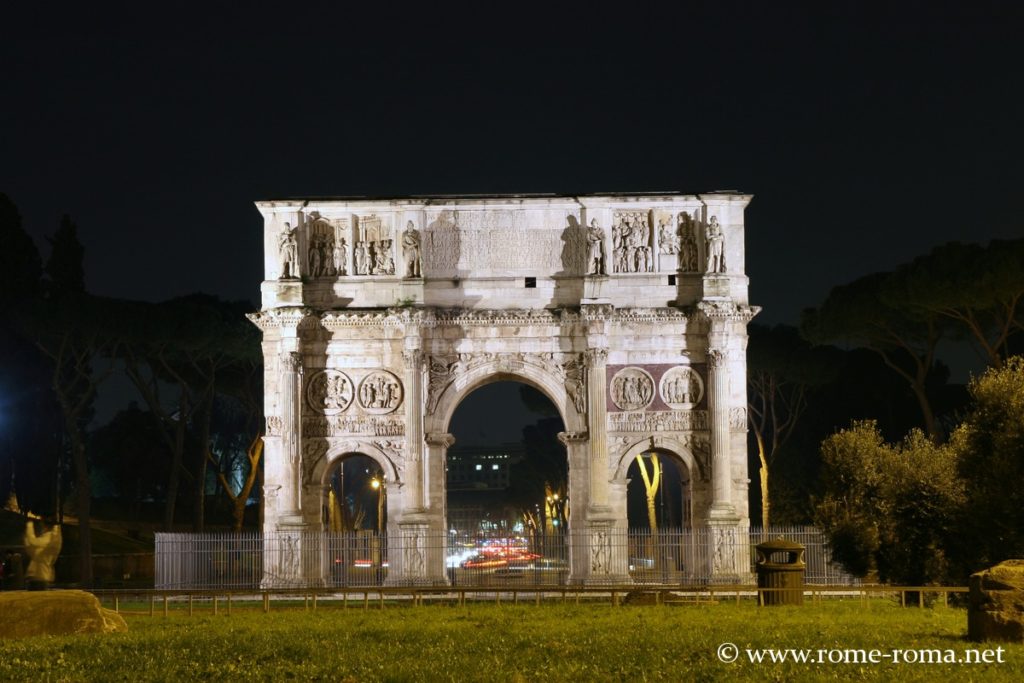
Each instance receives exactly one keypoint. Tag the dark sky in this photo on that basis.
(866, 134)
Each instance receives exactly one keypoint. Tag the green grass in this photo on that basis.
(505, 643)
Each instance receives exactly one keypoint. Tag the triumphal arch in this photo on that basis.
(628, 312)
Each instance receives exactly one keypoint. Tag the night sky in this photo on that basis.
(866, 134)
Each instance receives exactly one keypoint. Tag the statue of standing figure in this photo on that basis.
(288, 248)
(595, 238)
(411, 251)
(716, 246)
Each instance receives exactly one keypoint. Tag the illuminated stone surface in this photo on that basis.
(37, 613)
(380, 316)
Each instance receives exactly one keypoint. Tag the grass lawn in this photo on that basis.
(508, 643)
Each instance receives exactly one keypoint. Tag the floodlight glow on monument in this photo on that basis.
(628, 312)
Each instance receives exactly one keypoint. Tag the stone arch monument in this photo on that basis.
(628, 312)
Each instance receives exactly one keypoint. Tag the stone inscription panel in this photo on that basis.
(497, 243)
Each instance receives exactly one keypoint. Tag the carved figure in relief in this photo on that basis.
(576, 383)
(411, 251)
(687, 244)
(288, 248)
(668, 241)
(631, 237)
(380, 392)
(338, 255)
(716, 246)
(681, 387)
(329, 392)
(595, 238)
(632, 389)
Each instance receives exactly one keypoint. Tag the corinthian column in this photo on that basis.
(291, 435)
(418, 499)
(597, 426)
(721, 456)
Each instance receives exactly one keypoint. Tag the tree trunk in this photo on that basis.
(174, 476)
(765, 500)
(84, 498)
(199, 502)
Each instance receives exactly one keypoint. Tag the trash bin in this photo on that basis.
(780, 568)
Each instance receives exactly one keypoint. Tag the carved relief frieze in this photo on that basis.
(372, 252)
(330, 392)
(738, 419)
(631, 242)
(343, 425)
(632, 388)
(681, 388)
(380, 392)
(658, 421)
(326, 250)
(274, 425)
(313, 451)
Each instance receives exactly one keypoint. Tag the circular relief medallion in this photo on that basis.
(330, 392)
(632, 389)
(380, 392)
(681, 387)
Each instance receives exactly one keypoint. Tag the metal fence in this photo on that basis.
(250, 560)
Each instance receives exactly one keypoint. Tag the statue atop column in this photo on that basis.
(411, 251)
(716, 246)
(288, 248)
(595, 238)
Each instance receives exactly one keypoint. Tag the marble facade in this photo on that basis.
(628, 312)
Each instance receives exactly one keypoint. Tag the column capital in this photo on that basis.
(596, 356)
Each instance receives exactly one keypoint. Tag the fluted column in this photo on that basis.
(291, 436)
(718, 399)
(597, 426)
(414, 471)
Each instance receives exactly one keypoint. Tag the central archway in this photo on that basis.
(507, 487)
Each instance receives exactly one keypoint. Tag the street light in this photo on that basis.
(377, 484)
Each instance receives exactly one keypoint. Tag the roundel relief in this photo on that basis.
(681, 387)
(632, 389)
(330, 392)
(380, 392)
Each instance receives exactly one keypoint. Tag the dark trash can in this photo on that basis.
(780, 568)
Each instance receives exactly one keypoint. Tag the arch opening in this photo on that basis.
(356, 496)
(659, 512)
(507, 497)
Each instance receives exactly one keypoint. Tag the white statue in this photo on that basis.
(595, 261)
(716, 246)
(411, 251)
(288, 247)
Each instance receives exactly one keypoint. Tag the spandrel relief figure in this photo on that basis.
(411, 251)
(288, 249)
(716, 246)
(595, 240)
